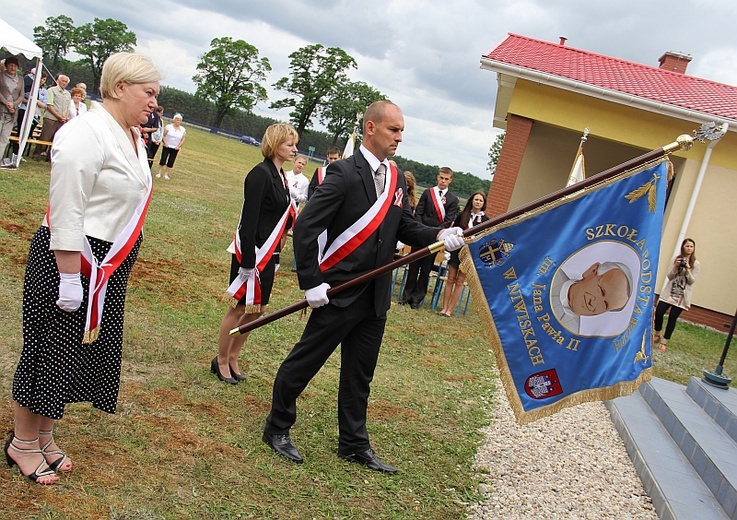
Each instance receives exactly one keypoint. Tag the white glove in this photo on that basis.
(244, 273)
(70, 292)
(317, 296)
(297, 196)
(453, 238)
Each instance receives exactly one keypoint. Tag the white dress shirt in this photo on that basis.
(298, 186)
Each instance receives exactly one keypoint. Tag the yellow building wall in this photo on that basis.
(624, 132)
(713, 226)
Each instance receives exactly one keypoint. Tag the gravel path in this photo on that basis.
(571, 465)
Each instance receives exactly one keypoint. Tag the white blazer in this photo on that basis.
(97, 180)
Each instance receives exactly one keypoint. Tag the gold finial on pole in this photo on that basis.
(683, 142)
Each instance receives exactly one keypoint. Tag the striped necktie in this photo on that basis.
(379, 179)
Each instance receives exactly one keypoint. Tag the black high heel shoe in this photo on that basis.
(236, 375)
(215, 369)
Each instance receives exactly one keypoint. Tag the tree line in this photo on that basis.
(241, 122)
(230, 78)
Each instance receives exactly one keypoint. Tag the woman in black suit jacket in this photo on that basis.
(265, 202)
(472, 215)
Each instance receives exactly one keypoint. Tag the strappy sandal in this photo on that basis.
(63, 463)
(662, 345)
(656, 338)
(42, 471)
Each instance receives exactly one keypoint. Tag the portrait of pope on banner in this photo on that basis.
(592, 292)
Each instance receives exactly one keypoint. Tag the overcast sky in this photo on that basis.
(424, 55)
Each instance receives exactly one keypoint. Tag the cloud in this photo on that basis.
(423, 54)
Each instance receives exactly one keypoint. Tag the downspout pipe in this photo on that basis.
(695, 192)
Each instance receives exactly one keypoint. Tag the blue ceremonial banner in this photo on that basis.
(566, 292)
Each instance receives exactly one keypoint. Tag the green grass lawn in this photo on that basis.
(184, 445)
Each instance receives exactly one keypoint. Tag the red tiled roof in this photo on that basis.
(644, 81)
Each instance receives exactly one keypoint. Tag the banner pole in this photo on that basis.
(683, 142)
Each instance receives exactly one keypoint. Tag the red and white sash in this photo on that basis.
(251, 288)
(438, 203)
(320, 172)
(350, 239)
(99, 273)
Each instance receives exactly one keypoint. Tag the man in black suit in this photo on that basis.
(437, 207)
(364, 211)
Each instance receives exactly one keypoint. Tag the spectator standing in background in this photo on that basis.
(319, 175)
(472, 215)
(40, 105)
(174, 136)
(78, 106)
(411, 194)
(676, 294)
(437, 207)
(11, 96)
(298, 183)
(154, 128)
(58, 104)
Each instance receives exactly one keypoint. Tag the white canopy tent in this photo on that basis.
(15, 43)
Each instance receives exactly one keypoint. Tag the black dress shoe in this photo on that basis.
(215, 369)
(282, 444)
(369, 459)
(414, 306)
(236, 375)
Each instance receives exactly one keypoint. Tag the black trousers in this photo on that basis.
(660, 311)
(418, 278)
(359, 332)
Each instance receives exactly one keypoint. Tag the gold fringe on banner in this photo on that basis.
(620, 389)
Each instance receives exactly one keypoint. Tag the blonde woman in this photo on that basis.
(266, 214)
(174, 136)
(98, 195)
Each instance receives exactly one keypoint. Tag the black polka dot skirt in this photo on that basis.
(55, 368)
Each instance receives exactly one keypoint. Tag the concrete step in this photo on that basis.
(707, 446)
(721, 405)
(675, 487)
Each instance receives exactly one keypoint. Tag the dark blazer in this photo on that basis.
(344, 196)
(426, 213)
(265, 199)
(313, 185)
